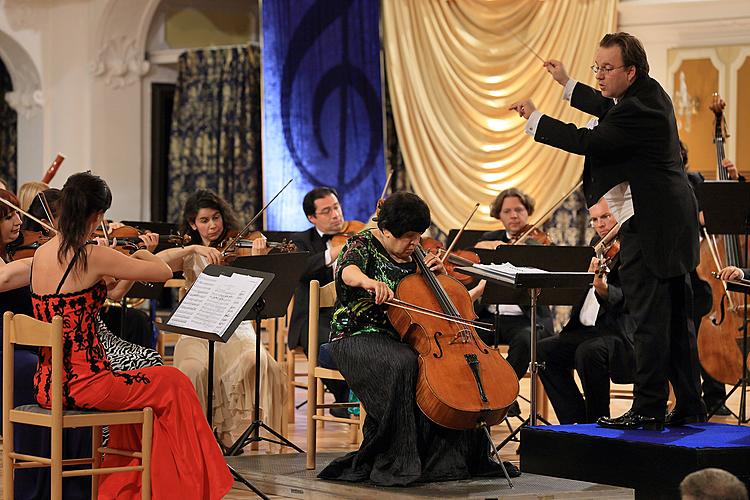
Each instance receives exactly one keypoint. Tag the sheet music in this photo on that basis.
(508, 270)
(213, 302)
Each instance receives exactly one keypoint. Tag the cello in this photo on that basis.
(718, 349)
(462, 383)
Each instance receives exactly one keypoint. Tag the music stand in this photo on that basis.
(726, 210)
(563, 284)
(288, 269)
(216, 271)
(467, 240)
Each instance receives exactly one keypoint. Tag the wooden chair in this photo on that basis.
(323, 297)
(21, 329)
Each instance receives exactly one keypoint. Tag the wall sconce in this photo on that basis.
(685, 105)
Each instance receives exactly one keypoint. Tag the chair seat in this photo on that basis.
(328, 373)
(45, 411)
(36, 415)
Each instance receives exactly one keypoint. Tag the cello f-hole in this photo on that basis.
(437, 343)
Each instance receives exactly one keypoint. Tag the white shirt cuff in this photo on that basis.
(533, 122)
(568, 90)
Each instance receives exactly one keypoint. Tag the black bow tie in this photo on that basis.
(326, 238)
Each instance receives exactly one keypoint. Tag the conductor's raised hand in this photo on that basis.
(524, 108)
(557, 70)
(380, 291)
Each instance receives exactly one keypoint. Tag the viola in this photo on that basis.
(350, 228)
(456, 258)
(462, 383)
(128, 241)
(27, 243)
(531, 232)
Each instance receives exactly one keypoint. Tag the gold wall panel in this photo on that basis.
(742, 135)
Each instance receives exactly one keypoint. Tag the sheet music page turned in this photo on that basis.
(213, 302)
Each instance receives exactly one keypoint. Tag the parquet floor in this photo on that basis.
(335, 437)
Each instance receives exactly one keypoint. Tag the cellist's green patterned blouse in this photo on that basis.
(356, 312)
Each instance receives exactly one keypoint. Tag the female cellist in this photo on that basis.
(207, 219)
(69, 278)
(401, 446)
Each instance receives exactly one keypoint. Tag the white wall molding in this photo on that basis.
(119, 62)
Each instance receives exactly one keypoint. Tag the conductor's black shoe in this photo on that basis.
(631, 420)
(340, 412)
(675, 419)
(514, 410)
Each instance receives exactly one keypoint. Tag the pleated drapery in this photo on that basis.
(454, 66)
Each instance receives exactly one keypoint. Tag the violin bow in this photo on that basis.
(458, 235)
(544, 217)
(24, 212)
(46, 207)
(247, 227)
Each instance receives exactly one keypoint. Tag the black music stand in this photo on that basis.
(563, 284)
(214, 270)
(288, 269)
(726, 210)
(468, 238)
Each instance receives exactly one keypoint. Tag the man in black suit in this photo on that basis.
(597, 342)
(323, 210)
(632, 157)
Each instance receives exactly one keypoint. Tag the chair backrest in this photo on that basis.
(25, 330)
(324, 296)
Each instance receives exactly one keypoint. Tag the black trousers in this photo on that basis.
(665, 341)
(591, 353)
(515, 331)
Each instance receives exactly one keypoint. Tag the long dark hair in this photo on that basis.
(204, 198)
(6, 211)
(83, 195)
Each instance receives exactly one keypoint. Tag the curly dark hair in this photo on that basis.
(204, 198)
(403, 212)
(497, 204)
(83, 195)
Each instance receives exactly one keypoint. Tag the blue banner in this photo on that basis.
(323, 118)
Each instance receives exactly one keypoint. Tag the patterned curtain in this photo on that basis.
(215, 138)
(8, 131)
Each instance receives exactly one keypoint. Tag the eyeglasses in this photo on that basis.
(596, 69)
(596, 220)
(329, 210)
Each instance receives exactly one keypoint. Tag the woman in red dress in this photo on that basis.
(70, 278)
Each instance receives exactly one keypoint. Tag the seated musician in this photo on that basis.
(207, 219)
(401, 445)
(597, 342)
(323, 210)
(512, 322)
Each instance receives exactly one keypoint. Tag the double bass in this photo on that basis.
(462, 383)
(718, 349)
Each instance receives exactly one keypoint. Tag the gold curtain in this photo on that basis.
(454, 66)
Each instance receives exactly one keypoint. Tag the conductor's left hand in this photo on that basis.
(524, 108)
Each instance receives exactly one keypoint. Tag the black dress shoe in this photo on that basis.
(675, 419)
(340, 412)
(721, 411)
(631, 420)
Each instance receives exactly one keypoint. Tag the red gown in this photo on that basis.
(186, 461)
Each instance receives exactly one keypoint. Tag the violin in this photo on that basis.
(27, 243)
(456, 258)
(128, 241)
(232, 247)
(350, 228)
(531, 232)
(607, 249)
(462, 383)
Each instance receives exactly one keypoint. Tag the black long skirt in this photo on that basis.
(401, 445)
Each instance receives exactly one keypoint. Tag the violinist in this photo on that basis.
(323, 209)
(208, 219)
(513, 208)
(401, 446)
(28, 191)
(597, 341)
(39, 209)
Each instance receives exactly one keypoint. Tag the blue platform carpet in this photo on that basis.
(652, 463)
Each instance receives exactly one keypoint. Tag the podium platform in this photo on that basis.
(652, 463)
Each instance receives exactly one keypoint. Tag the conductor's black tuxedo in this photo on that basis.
(636, 141)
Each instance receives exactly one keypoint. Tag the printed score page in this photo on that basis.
(213, 302)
